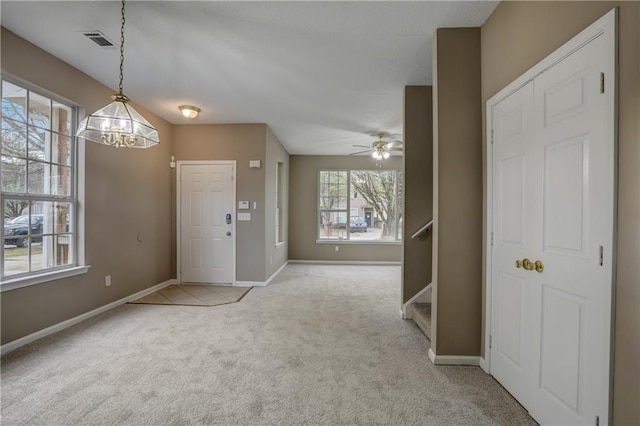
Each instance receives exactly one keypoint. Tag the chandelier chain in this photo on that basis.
(122, 21)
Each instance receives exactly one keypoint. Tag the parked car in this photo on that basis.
(16, 231)
(358, 224)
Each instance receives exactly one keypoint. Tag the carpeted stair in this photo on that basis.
(421, 315)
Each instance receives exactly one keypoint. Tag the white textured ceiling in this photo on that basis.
(322, 75)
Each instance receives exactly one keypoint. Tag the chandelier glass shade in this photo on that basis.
(119, 124)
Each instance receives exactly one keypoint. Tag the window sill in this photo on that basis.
(19, 282)
(370, 242)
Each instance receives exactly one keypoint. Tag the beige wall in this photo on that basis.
(240, 142)
(457, 194)
(127, 192)
(517, 36)
(303, 211)
(275, 256)
(418, 189)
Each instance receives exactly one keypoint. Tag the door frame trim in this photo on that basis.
(180, 165)
(606, 26)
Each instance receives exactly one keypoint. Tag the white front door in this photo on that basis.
(207, 242)
(551, 272)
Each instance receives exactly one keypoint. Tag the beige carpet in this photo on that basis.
(320, 345)
(194, 295)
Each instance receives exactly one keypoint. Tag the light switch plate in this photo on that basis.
(244, 217)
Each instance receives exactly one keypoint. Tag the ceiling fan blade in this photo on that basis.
(360, 152)
(362, 146)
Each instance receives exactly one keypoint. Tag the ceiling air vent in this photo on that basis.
(98, 38)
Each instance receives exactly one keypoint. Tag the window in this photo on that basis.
(38, 188)
(279, 203)
(360, 205)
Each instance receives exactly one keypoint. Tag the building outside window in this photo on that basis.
(38, 182)
(360, 205)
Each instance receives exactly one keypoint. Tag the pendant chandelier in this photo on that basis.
(118, 124)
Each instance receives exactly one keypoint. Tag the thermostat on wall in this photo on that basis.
(243, 205)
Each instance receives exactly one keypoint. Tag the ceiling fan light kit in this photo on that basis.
(119, 124)
(381, 149)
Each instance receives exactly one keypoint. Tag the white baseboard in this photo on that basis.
(423, 296)
(250, 284)
(261, 283)
(484, 364)
(275, 274)
(453, 359)
(7, 347)
(348, 262)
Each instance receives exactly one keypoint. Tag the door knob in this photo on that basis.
(527, 264)
(228, 233)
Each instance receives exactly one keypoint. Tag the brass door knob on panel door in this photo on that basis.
(527, 264)
(539, 266)
(518, 263)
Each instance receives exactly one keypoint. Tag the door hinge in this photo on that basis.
(601, 82)
(597, 420)
(601, 255)
(491, 136)
(492, 239)
(489, 341)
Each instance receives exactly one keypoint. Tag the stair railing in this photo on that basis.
(423, 229)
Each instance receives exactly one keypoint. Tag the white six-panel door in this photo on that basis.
(574, 291)
(207, 243)
(552, 202)
(513, 209)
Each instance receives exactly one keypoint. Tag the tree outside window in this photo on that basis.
(360, 205)
(38, 182)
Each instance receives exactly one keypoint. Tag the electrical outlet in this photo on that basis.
(337, 248)
(107, 281)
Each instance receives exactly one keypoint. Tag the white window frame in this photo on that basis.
(279, 213)
(77, 266)
(347, 210)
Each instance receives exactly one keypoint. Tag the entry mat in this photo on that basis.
(194, 295)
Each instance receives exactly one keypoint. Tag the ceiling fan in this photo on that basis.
(381, 150)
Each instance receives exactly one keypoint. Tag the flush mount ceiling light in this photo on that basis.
(118, 124)
(189, 111)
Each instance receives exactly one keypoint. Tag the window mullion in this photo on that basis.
(348, 224)
(395, 200)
